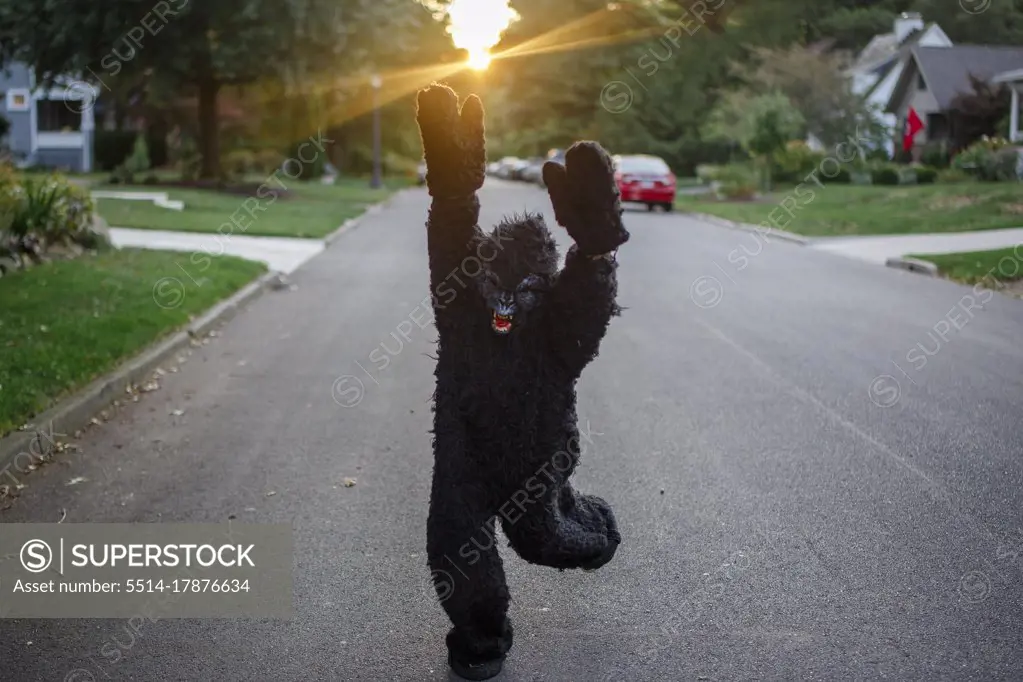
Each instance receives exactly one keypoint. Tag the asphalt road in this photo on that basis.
(800, 496)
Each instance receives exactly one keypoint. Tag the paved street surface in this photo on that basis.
(279, 253)
(879, 249)
(815, 461)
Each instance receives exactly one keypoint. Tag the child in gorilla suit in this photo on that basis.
(513, 340)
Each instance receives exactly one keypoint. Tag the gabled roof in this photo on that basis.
(946, 70)
(884, 49)
(898, 56)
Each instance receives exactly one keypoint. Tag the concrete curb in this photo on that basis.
(913, 265)
(746, 227)
(76, 411)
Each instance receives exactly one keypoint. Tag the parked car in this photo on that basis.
(421, 173)
(505, 166)
(533, 172)
(517, 167)
(645, 179)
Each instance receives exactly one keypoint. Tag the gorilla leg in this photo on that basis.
(469, 578)
(565, 530)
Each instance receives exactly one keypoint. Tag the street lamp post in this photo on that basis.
(376, 182)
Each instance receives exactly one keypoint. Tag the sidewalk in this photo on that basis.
(878, 250)
(279, 253)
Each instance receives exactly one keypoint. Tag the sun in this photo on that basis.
(479, 60)
(477, 25)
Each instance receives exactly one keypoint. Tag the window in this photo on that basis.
(55, 116)
(18, 100)
(642, 164)
(920, 85)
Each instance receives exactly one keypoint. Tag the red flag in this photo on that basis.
(913, 126)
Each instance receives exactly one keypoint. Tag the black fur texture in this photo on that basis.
(514, 337)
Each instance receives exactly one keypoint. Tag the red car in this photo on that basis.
(646, 180)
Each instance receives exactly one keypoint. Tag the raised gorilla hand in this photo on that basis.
(453, 142)
(585, 198)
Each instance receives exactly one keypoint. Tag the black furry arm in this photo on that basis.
(585, 197)
(580, 307)
(451, 232)
(455, 152)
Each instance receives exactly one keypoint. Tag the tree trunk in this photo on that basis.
(209, 130)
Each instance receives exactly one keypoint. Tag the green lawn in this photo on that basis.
(64, 323)
(1000, 265)
(312, 210)
(837, 210)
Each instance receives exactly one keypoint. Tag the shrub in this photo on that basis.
(736, 181)
(309, 169)
(926, 175)
(884, 175)
(842, 177)
(139, 159)
(707, 173)
(953, 175)
(936, 155)
(112, 147)
(795, 161)
(267, 160)
(43, 211)
(989, 158)
(1000, 166)
(239, 162)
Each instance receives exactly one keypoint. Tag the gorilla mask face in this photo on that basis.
(521, 271)
(509, 306)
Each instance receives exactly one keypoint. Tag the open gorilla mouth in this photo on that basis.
(502, 324)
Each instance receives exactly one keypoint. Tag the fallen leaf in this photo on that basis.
(76, 480)
(349, 482)
(271, 493)
(177, 413)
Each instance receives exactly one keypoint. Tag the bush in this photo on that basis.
(936, 155)
(736, 181)
(38, 212)
(842, 177)
(884, 175)
(309, 169)
(139, 159)
(112, 147)
(267, 160)
(239, 162)
(989, 158)
(1001, 165)
(925, 175)
(795, 162)
(953, 175)
(707, 173)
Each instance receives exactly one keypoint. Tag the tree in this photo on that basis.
(814, 83)
(762, 124)
(200, 48)
(976, 114)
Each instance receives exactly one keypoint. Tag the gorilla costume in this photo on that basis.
(514, 336)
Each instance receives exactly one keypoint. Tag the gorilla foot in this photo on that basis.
(475, 671)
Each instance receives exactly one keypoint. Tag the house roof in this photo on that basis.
(884, 48)
(947, 70)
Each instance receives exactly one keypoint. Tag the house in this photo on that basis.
(879, 65)
(934, 77)
(51, 128)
